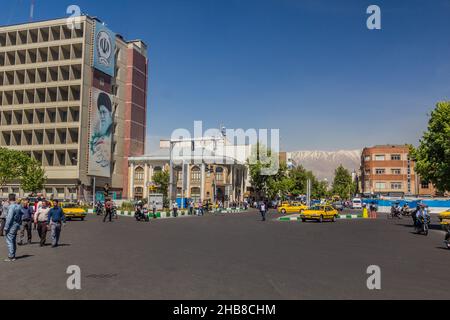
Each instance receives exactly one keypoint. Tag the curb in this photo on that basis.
(341, 217)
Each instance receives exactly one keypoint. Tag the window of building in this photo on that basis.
(396, 157)
(179, 173)
(425, 185)
(367, 158)
(196, 175)
(380, 157)
(380, 185)
(367, 172)
(396, 186)
(195, 194)
(396, 171)
(139, 175)
(380, 171)
(139, 193)
(219, 174)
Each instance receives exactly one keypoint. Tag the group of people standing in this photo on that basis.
(20, 217)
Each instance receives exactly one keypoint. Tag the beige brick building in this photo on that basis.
(47, 82)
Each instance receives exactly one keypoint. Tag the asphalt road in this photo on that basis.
(233, 256)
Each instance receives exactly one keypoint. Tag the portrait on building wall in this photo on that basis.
(100, 134)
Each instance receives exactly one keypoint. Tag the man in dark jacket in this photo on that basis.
(27, 222)
(56, 218)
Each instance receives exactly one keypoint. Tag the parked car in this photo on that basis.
(357, 203)
(338, 205)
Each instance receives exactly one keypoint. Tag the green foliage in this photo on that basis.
(18, 166)
(343, 185)
(432, 157)
(162, 181)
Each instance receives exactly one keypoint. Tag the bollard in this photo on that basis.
(365, 213)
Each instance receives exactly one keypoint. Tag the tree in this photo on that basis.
(162, 181)
(18, 166)
(33, 177)
(262, 182)
(432, 157)
(10, 166)
(343, 183)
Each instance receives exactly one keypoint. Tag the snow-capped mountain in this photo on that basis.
(323, 163)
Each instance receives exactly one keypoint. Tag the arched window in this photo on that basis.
(196, 174)
(139, 175)
(219, 174)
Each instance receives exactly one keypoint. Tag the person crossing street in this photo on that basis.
(12, 225)
(40, 219)
(27, 222)
(55, 220)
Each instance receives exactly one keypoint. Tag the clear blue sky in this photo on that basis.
(310, 68)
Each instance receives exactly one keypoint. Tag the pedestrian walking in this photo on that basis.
(55, 220)
(175, 209)
(12, 226)
(191, 207)
(108, 210)
(373, 211)
(40, 219)
(263, 210)
(154, 209)
(3, 214)
(27, 222)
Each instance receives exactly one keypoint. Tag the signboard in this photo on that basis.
(104, 49)
(100, 135)
(157, 199)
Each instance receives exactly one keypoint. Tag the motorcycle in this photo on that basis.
(141, 215)
(99, 209)
(114, 213)
(422, 226)
(395, 213)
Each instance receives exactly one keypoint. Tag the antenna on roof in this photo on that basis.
(32, 10)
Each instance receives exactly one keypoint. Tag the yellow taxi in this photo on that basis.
(320, 213)
(73, 211)
(444, 217)
(295, 207)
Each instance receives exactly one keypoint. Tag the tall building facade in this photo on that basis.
(73, 97)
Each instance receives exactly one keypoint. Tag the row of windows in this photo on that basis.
(39, 35)
(393, 185)
(40, 75)
(382, 157)
(40, 116)
(40, 95)
(47, 192)
(41, 55)
(196, 174)
(384, 171)
(39, 137)
(55, 158)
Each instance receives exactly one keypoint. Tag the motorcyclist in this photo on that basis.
(395, 210)
(405, 210)
(422, 216)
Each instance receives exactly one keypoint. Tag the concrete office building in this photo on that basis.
(74, 99)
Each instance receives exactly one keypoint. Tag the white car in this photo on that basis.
(357, 203)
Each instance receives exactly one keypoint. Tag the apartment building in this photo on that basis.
(388, 170)
(73, 97)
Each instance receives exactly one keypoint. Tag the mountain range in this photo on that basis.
(324, 163)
